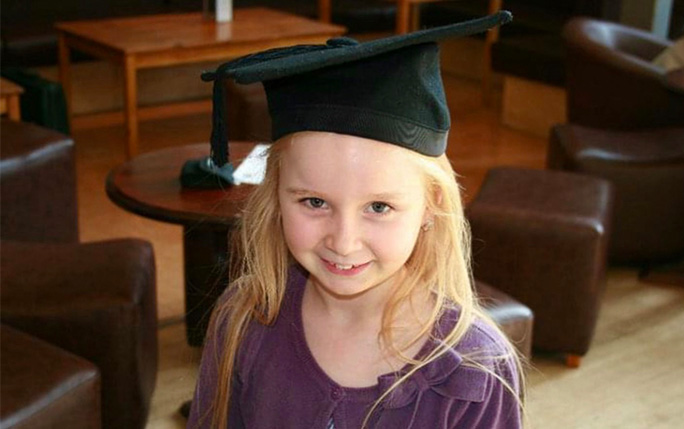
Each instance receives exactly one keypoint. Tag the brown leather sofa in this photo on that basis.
(93, 303)
(646, 168)
(611, 83)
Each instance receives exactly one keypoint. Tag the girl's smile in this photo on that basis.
(345, 269)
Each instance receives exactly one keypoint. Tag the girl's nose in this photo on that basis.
(344, 235)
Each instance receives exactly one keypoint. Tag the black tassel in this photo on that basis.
(219, 130)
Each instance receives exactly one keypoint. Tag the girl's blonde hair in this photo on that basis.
(440, 261)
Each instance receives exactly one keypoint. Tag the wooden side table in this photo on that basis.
(167, 40)
(149, 186)
(9, 99)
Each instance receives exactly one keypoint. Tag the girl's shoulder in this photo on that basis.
(481, 337)
(480, 361)
(475, 370)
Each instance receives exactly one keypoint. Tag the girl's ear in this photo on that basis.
(428, 221)
(429, 216)
(438, 196)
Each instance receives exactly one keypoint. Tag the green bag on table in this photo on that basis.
(43, 101)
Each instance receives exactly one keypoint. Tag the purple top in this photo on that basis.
(278, 383)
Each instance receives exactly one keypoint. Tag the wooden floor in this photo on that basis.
(633, 376)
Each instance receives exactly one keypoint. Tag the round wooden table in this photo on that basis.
(149, 185)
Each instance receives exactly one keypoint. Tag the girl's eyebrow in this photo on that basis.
(387, 196)
(383, 196)
(299, 191)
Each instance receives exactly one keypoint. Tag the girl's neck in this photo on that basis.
(365, 311)
(363, 308)
(343, 333)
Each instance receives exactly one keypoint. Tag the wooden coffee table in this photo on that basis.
(167, 40)
(149, 186)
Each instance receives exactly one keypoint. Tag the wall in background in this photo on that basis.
(652, 15)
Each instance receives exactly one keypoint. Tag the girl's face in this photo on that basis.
(352, 209)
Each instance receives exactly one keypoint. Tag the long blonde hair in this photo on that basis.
(440, 261)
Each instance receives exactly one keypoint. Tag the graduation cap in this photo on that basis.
(387, 89)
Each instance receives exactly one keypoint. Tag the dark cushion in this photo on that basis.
(44, 386)
(37, 184)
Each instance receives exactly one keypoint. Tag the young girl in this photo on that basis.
(352, 302)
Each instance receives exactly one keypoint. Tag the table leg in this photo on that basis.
(403, 14)
(13, 110)
(65, 73)
(206, 262)
(131, 106)
(324, 11)
(415, 17)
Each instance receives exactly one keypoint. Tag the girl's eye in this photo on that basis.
(379, 208)
(314, 202)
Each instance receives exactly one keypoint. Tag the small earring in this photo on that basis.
(427, 225)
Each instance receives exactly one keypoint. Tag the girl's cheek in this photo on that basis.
(299, 230)
(394, 237)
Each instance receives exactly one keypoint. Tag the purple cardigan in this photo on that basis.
(279, 384)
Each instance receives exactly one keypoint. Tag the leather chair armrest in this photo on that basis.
(45, 386)
(37, 184)
(96, 300)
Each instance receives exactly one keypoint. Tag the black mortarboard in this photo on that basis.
(387, 89)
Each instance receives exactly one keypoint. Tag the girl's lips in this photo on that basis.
(343, 270)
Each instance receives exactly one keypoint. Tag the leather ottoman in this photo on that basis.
(44, 386)
(542, 237)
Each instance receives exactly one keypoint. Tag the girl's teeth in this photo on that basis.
(343, 267)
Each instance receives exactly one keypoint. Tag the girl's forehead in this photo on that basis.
(323, 145)
(329, 160)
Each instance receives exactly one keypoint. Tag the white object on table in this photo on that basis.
(253, 168)
(224, 10)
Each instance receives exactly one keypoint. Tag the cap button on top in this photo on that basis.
(340, 42)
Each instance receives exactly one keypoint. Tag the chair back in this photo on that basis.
(37, 185)
(611, 82)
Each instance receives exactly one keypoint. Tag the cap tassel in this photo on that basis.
(219, 131)
(213, 171)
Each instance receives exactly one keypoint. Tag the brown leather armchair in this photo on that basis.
(82, 351)
(646, 168)
(610, 81)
